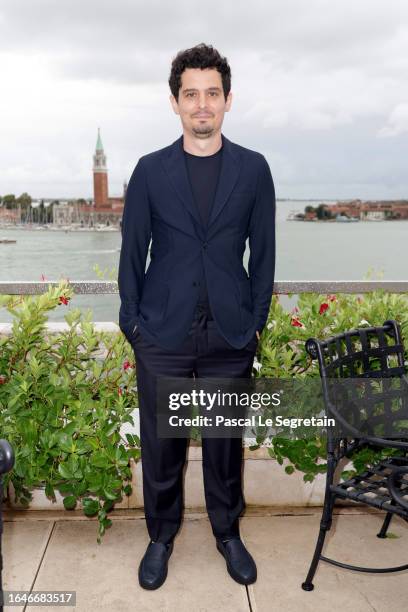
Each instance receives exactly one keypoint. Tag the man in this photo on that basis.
(195, 312)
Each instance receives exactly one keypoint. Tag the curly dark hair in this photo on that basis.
(201, 56)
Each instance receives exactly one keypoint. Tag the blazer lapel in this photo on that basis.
(175, 165)
(229, 173)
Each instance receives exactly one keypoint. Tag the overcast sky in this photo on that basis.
(319, 87)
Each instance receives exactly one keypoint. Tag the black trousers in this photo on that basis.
(205, 353)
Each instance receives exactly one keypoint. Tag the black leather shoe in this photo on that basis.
(240, 565)
(153, 566)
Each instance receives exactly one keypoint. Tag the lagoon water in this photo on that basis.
(305, 251)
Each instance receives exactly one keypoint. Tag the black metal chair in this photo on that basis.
(6, 464)
(377, 354)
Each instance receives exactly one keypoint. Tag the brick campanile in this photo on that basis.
(100, 174)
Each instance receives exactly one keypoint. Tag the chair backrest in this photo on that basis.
(377, 407)
(366, 352)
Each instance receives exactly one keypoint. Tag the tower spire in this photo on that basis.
(99, 145)
(99, 157)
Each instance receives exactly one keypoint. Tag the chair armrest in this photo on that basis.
(356, 433)
(392, 486)
(6, 457)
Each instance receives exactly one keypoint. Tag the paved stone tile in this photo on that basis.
(65, 555)
(283, 549)
(23, 544)
(105, 576)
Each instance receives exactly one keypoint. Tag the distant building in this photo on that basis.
(103, 210)
(10, 215)
(367, 210)
(100, 175)
(102, 201)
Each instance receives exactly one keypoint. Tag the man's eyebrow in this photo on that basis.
(208, 89)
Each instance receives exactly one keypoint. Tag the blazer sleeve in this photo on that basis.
(136, 234)
(261, 265)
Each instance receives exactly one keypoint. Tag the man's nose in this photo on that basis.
(202, 101)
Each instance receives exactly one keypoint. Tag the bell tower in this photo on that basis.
(100, 175)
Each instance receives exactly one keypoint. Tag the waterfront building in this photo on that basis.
(377, 210)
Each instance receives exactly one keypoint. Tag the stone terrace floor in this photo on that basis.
(51, 550)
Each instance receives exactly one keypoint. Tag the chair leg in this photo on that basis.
(308, 585)
(325, 525)
(383, 531)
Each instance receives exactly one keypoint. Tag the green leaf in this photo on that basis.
(100, 460)
(135, 453)
(69, 502)
(110, 494)
(49, 491)
(69, 429)
(65, 472)
(109, 430)
(65, 487)
(90, 506)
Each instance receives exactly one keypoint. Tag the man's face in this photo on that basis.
(201, 103)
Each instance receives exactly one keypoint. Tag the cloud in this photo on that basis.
(148, 35)
(397, 122)
(313, 88)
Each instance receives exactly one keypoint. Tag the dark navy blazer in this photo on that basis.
(159, 205)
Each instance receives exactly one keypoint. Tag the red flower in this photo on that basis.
(323, 308)
(332, 298)
(120, 390)
(2, 380)
(295, 322)
(127, 365)
(63, 299)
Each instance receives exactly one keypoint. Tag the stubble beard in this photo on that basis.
(203, 131)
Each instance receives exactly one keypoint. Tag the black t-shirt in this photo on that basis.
(203, 172)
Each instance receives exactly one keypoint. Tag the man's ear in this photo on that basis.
(228, 102)
(174, 104)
